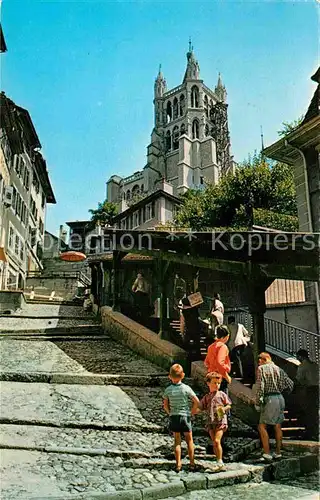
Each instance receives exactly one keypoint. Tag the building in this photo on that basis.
(301, 148)
(190, 145)
(25, 190)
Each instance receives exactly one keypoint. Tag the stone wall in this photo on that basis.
(65, 288)
(10, 300)
(299, 315)
(141, 340)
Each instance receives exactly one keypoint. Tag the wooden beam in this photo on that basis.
(116, 265)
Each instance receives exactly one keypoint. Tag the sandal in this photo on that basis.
(178, 469)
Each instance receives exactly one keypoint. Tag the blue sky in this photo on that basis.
(85, 71)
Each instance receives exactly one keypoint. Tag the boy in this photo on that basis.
(217, 359)
(179, 403)
(216, 404)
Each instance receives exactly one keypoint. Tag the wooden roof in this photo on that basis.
(266, 255)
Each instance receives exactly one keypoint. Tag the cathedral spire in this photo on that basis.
(160, 85)
(220, 90)
(193, 69)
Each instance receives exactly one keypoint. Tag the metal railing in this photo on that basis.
(286, 338)
(289, 339)
(79, 275)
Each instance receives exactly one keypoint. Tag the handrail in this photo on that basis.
(79, 275)
(282, 336)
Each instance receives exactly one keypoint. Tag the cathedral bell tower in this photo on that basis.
(190, 141)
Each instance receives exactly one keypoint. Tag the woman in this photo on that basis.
(217, 312)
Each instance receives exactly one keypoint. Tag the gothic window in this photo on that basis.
(175, 138)
(175, 108)
(168, 141)
(135, 190)
(128, 195)
(206, 106)
(182, 129)
(169, 112)
(195, 129)
(211, 111)
(206, 131)
(142, 188)
(194, 97)
(182, 105)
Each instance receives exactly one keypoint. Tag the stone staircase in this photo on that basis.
(292, 426)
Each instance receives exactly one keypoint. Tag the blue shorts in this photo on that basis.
(180, 423)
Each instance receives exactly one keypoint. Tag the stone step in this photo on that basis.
(80, 329)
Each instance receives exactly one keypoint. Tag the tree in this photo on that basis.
(104, 214)
(256, 184)
(288, 127)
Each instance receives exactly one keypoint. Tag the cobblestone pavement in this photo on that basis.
(106, 356)
(25, 324)
(53, 403)
(249, 491)
(80, 473)
(39, 310)
(35, 356)
(63, 439)
(100, 356)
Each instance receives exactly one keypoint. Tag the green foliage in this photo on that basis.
(104, 214)
(274, 220)
(256, 184)
(288, 127)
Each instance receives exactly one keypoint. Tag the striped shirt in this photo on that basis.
(180, 399)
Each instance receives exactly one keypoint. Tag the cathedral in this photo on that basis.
(190, 145)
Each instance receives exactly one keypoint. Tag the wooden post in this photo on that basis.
(163, 267)
(115, 278)
(257, 308)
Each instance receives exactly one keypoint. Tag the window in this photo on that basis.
(14, 198)
(206, 130)
(175, 138)
(206, 106)
(35, 182)
(194, 97)
(182, 105)
(27, 180)
(16, 245)
(21, 251)
(195, 129)
(153, 210)
(168, 141)
(169, 112)
(175, 108)
(10, 237)
(182, 129)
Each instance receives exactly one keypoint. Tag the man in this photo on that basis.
(141, 288)
(307, 393)
(308, 372)
(217, 359)
(271, 382)
(239, 339)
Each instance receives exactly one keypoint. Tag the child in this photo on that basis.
(216, 404)
(179, 403)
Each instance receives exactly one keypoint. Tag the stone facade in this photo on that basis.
(301, 149)
(190, 143)
(25, 190)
